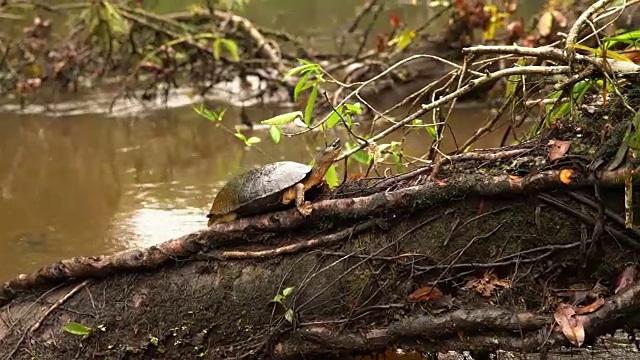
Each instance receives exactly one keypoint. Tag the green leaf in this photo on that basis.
(431, 130)
(300, 85)
(232, 48)
(360, 156)
(598, 52)
(283, 118)
(288, 291)
(397, 160)
(216, 48)
(331, 177)
(220, 114)
(577, 92)
(253, 140)
(275, 133)
(311, 102)
(76, 329)
(334, 118)
(354, 108)
(404, 39)
(514, 80)
(627, 37)
(277, 299)
(241, 136)
(288, 315)
(301, 69)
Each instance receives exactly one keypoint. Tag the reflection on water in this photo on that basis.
(90, 185)
(149, 226)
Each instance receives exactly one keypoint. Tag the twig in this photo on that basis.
(573, 33)
(618, 235)
(295, 247)
(58, 303)
(541, 70)
(37, 325)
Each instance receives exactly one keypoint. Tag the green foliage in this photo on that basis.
(331, 177)
(283, 119)
(230, 46)
(248, 141)
(208, 114)
(280, 298)
(404, 39)
(77, 329)
(311, 78)
(556, 111)
(275, 133)
(631, 38)
(360, 156)
(344, 112)
(514, 80)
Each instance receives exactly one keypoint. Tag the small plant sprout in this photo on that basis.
(248, 141)
(280, 298)
(208, 114)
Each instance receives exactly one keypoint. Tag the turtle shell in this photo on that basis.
(259, 189)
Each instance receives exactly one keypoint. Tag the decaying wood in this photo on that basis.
(352, 265)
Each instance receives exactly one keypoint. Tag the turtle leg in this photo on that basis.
(222, 219)
(304, 207)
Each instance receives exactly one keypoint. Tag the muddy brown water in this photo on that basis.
(91, 184)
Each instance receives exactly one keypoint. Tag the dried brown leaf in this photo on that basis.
(626, 278)
(571, 326)
(424, 294)
(557, 148)
(487, 284)
(597, 304)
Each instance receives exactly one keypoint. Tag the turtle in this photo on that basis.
(271, 186)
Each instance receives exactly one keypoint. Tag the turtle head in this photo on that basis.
(329, 153)
(326, 157)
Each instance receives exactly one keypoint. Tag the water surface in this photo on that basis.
(91, 184)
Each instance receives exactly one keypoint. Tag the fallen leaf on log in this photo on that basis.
(557, 148)
(626, 278)
(570, 325)
(487, 284)
(424, 294)
(591, 307)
